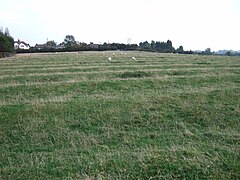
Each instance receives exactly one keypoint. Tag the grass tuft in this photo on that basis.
(136, 74)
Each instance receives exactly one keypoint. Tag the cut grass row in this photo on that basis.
(120, 85)
(114, 67)
(78, 77)
(98, 59)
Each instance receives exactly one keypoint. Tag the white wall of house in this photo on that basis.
(16, 46)
(21, 46)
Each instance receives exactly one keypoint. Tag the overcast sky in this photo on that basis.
(195, 24)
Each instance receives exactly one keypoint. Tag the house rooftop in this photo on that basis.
(21, 42)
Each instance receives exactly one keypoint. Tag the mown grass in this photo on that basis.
(162, 117)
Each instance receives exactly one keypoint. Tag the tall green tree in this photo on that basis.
(7, 32)
(6, 42)
(207, 51)
(69, 41)
(180, 49)
(170, 47)
(228, 53)
(153, 45)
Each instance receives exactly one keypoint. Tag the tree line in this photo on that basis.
(70, 44)
(162, 47)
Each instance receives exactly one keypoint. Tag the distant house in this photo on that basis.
(48, 45)
(21, 45)
(40, 46)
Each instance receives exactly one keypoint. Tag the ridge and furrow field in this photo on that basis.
(80, 116)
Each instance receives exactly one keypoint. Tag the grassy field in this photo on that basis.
(79, 116)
